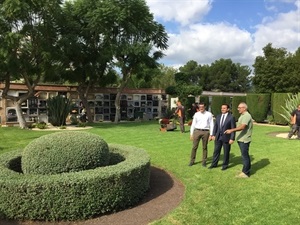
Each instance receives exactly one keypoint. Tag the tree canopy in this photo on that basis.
(28, 35)
(221, 75)
(277, 71)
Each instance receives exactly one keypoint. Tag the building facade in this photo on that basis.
(134, 103)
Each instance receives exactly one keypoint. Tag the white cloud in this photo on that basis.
(181, 11)
(282, 31)
(206, 43)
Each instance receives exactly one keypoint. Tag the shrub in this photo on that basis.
(41, 125)
(258, 105)
(188, 106)
(80, 124)
(278, 101)
(31, 125)
(64, 152)
(236, 100)
(58, 109)
(74, 120)
(76, 195)
(205, 99)
(217, 102)
(291, 103)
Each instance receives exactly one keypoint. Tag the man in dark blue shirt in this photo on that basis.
(295, 121)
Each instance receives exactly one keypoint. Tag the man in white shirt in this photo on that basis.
(201, 128)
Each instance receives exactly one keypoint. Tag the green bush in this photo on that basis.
(204, 99)
(258, 105)
(58, 109)
(217, 102)
(277, 104)
(188, 106)
(236, 100)
(80, 124)
(41, 125)
(74, 120)
(76, 195)
(67, 151)
(291, 103)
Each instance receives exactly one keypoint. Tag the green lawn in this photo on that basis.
(213, 197)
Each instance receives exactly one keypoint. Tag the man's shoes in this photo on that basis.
(190, 164)
(211, 167)
(242, 175)
(224, 168)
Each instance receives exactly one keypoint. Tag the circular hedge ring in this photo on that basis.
(64, 152)
(74, 195)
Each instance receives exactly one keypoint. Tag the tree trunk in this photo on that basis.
(21, 119)
(83, 93)
(126, 76)
(117, 104)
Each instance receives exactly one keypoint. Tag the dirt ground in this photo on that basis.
(165, 194)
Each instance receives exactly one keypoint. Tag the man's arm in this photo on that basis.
(233, 125)
(293, 119)
(192, 128)
(240, 127)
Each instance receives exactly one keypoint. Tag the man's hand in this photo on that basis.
(228, 131)
(191, 138)
(231, 141)
(213, 138)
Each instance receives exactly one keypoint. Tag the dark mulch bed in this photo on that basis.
(165, 194)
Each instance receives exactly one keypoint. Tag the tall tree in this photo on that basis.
(164, 78)
(183, 87)
(192, 71)
(105, 31)
(276, 71)
(143, 78)
(28, 33)
(87, 47)
(139, 40)
(224, 75)
(292, 73)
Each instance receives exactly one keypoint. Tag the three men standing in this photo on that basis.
(224, 133)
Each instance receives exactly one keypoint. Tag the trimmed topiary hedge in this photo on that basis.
(217, 102)
(204, 99)
(67, 151)
(236, 100)
(75, 195)
(277, 101)
(258, 106)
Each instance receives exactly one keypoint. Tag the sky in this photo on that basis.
(208, 30)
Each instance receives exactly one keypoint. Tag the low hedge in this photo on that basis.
(74, 195)
(67, 151)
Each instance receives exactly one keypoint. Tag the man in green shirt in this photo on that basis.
(243, 137)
